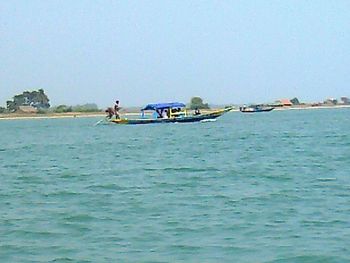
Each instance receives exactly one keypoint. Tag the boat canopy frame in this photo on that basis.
(162, 106)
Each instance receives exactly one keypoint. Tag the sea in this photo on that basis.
(263, 187)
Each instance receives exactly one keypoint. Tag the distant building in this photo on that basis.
(345, 100)
(26, 109)
(285, 102)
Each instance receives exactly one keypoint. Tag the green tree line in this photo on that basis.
(88, 107)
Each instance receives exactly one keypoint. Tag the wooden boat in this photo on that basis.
(256, 108)
(173, 112)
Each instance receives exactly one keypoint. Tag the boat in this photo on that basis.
(255, 108)
(172, 112)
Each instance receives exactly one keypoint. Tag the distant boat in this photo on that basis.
(173, 112)
(255, 108)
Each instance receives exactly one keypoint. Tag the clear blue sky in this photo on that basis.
(151, 51)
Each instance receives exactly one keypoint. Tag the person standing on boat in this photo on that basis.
(116, 109)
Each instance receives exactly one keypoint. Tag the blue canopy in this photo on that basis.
(161, 106)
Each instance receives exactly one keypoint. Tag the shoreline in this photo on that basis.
(29, 116)
(313, 107)
(306, 108)
(33, 116)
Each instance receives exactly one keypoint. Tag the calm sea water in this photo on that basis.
(269, 187)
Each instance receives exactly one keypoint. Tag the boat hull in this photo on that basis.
(256, 110)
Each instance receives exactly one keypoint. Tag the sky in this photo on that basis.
(156, 51)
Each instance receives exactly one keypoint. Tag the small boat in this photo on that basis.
(255, 108)
(173, 112)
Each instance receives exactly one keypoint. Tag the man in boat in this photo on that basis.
(110, 112)
(116, 109)
(159, 113)
(165, 114)
(197, 111)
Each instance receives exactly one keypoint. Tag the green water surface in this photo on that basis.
(267, 187)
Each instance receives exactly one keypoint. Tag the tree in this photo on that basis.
(62, 108)
(197, 103)
(11, 106)
(2, 110)
(88, 107)
(37, 99)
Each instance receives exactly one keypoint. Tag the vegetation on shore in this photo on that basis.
(36, 99)
(3, 110)
(88, 107)
(37, 102)
(197, 103)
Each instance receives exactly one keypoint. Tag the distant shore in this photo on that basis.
(19, 116)
(307, 107)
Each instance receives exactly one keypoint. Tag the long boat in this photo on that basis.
(257, 108)
(173, 112)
